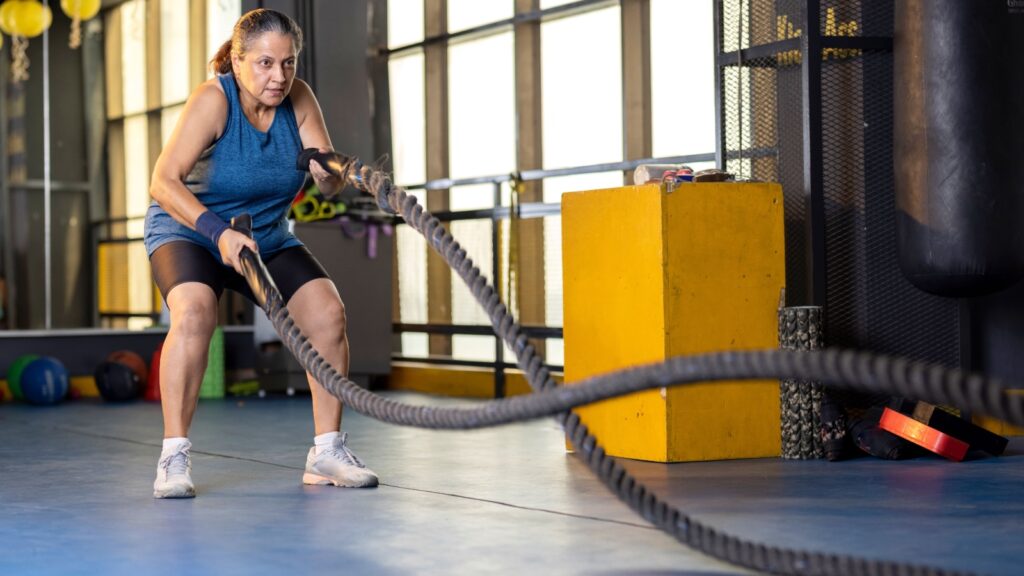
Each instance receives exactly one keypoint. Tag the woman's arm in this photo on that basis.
(199, 126)
(313, 133)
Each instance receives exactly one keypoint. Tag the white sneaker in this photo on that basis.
(174, 475)
(337, 465)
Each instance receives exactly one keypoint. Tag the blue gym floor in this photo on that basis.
(76, 482)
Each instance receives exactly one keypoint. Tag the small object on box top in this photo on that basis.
(923, 435)
(684, 174)
(712, 175)
(668, 180)
(651, 173)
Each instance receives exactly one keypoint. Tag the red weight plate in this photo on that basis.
(923, 435)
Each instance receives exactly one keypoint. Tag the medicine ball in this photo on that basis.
(14, 374)
(131, 360)
(117, 382)
(44, 381)
(121, 376)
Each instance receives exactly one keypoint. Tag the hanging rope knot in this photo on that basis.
(76, 25)
(19, 57)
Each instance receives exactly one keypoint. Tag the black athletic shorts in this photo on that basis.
(180, 261)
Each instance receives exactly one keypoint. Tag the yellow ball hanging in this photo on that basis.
(80, 9)
(31, 18)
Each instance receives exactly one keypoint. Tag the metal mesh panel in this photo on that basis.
(857, 18)
(844, 167)
(731, 30)
(868, 302)
(747, 23)
(789, 95)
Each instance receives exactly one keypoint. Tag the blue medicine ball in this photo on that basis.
(44, 381)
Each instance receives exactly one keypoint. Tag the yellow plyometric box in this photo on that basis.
(648, 275)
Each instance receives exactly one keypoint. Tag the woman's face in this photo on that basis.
(267, 68)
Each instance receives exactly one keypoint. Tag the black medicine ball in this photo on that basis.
(117, 382)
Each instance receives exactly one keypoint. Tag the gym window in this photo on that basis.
(518, 85)
(155, 53)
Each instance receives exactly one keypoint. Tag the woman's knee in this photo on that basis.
(332, 319)
(328, 323)
(194, 316)
(319, 310)
(196, 319)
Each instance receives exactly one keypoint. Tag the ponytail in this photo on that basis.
(221, 61)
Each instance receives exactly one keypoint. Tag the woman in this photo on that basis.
(233, 151)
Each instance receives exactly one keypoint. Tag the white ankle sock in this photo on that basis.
(175, 444)
(323, 441)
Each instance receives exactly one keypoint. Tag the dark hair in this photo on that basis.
(249, 27)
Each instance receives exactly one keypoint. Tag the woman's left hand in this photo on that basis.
(329, 184)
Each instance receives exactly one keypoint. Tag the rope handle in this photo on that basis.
(253, 269)
(353, 172)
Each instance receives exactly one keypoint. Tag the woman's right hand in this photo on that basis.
(230, 245)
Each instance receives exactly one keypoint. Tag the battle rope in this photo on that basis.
(844, 368)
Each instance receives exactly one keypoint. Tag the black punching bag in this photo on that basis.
(957, 112)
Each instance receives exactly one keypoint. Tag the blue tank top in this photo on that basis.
(245, 170)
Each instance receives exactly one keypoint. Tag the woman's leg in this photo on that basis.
(190, 279)
(319, 312)
(193, 307)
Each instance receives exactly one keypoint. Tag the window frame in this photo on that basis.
(530, 176)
